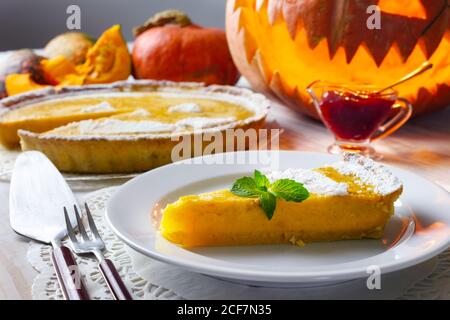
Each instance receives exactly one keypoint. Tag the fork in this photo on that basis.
(96, 246)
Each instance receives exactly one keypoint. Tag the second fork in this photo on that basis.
(96, 246)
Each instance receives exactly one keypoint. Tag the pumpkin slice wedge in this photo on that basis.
(351, 199)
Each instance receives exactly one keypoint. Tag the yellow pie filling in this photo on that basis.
(131, 131)
(221, 218)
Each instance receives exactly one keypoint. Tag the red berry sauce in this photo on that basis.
(353, 116)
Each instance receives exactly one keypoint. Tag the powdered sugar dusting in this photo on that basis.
(315, 182)
(140, 112)
(369, 172)
(185, 107)
(203, 122)
(99, 107)
(118, 126)
(114, 126)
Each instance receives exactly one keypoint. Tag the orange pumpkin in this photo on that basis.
(281, 46)
(108, 60)
(169, 47)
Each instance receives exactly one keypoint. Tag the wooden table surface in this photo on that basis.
(422, 146)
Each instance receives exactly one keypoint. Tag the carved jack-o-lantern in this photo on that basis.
(281, 46)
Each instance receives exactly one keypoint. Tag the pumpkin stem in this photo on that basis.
(162, 18)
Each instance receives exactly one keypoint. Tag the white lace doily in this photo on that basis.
(150, 279)
(45, 285)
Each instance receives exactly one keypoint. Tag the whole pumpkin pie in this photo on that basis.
(126, 126)
(351, 199)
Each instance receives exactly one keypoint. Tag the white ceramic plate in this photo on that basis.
(419, 230)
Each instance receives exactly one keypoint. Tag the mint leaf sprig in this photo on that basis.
(260, 187)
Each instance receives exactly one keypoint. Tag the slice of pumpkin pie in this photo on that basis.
(351, 199)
